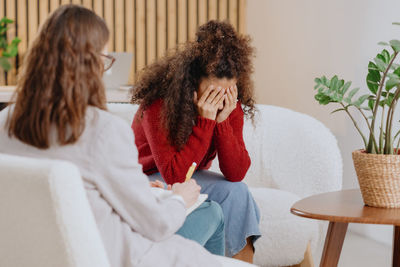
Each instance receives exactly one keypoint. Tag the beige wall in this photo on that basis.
(297, 41)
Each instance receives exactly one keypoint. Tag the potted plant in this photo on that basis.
(7, 50)
(378, 163)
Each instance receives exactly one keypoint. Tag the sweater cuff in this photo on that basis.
(205, 123)
(223, 127)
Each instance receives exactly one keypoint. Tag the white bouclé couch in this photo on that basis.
(293, 156)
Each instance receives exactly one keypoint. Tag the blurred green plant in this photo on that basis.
(7, 50)
(383, 82)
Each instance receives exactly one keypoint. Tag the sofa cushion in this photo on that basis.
(283, 233)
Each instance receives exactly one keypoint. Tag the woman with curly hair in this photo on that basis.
(191, 111)
(60, 113)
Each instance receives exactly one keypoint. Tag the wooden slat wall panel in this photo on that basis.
(161, 27)
(140, 48)
(2, 73)
(11, 33)
(151, 31)
(146, 28)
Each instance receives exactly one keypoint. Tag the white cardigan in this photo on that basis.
(137, 229)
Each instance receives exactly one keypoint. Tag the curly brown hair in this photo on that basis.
(218, 51)
(61, 75)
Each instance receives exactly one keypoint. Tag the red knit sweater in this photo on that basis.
(207, 140)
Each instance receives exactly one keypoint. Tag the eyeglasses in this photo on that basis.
(108, 61)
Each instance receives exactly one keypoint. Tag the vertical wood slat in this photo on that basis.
(53, 5)
(202, 11)
(32, 21)
(119, 26)
(222, 10)
(140, 34)
(171, 23)
(2, 73)
(98, 7)
(233, 10)
(147, 31)
(130, 35)
(242, 16)
(182, 21)
(151, 31)
(22, 30)
(87, 3)
(192, 19)
(161, 28)
(43, 10)
(212, 9)
(11, 33)
(109, 18)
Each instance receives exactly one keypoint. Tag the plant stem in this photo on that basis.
(389, 121)
(369, 127)
(355, 125)
(381, 131)
(378, 96)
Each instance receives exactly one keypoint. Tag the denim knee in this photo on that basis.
(237, 190)
(215, 211)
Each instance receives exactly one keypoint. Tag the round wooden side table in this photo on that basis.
(341, 208)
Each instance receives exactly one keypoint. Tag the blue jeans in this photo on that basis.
(241, 213)
(205, 225)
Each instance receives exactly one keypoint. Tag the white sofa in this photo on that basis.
(45, 218)
(293, 156)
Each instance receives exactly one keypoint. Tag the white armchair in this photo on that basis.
(293, 156)
(45, 216)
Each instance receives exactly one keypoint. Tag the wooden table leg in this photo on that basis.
(396, 246)
(333, 244)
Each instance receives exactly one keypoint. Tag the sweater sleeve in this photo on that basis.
(234, 160)
(171, 163)
(121, 182)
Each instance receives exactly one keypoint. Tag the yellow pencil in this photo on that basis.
(190, 171)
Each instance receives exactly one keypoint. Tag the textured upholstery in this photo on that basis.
(45, 216)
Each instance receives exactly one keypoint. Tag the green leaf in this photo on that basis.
(317, 80)
(395, 45)
(372, 67)
(392, 82)
(396, 23)
(380, 63)
(381, 57)
(383, 43)
(334, 83)
(346, 87)
(386, 56)
(353, 92)
(323, 99)
(371, 104)
(372, 86)
(397, 71)
(5, 64)
(361, 100)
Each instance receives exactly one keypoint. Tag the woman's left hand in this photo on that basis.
(159, 184)
(229, 104)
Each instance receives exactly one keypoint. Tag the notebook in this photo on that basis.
(163, 194)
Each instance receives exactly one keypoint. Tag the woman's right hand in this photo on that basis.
(189, 191)
(209, 102)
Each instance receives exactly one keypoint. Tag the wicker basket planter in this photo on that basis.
(379, 178)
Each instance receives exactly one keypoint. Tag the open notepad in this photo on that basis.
(162, 194)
